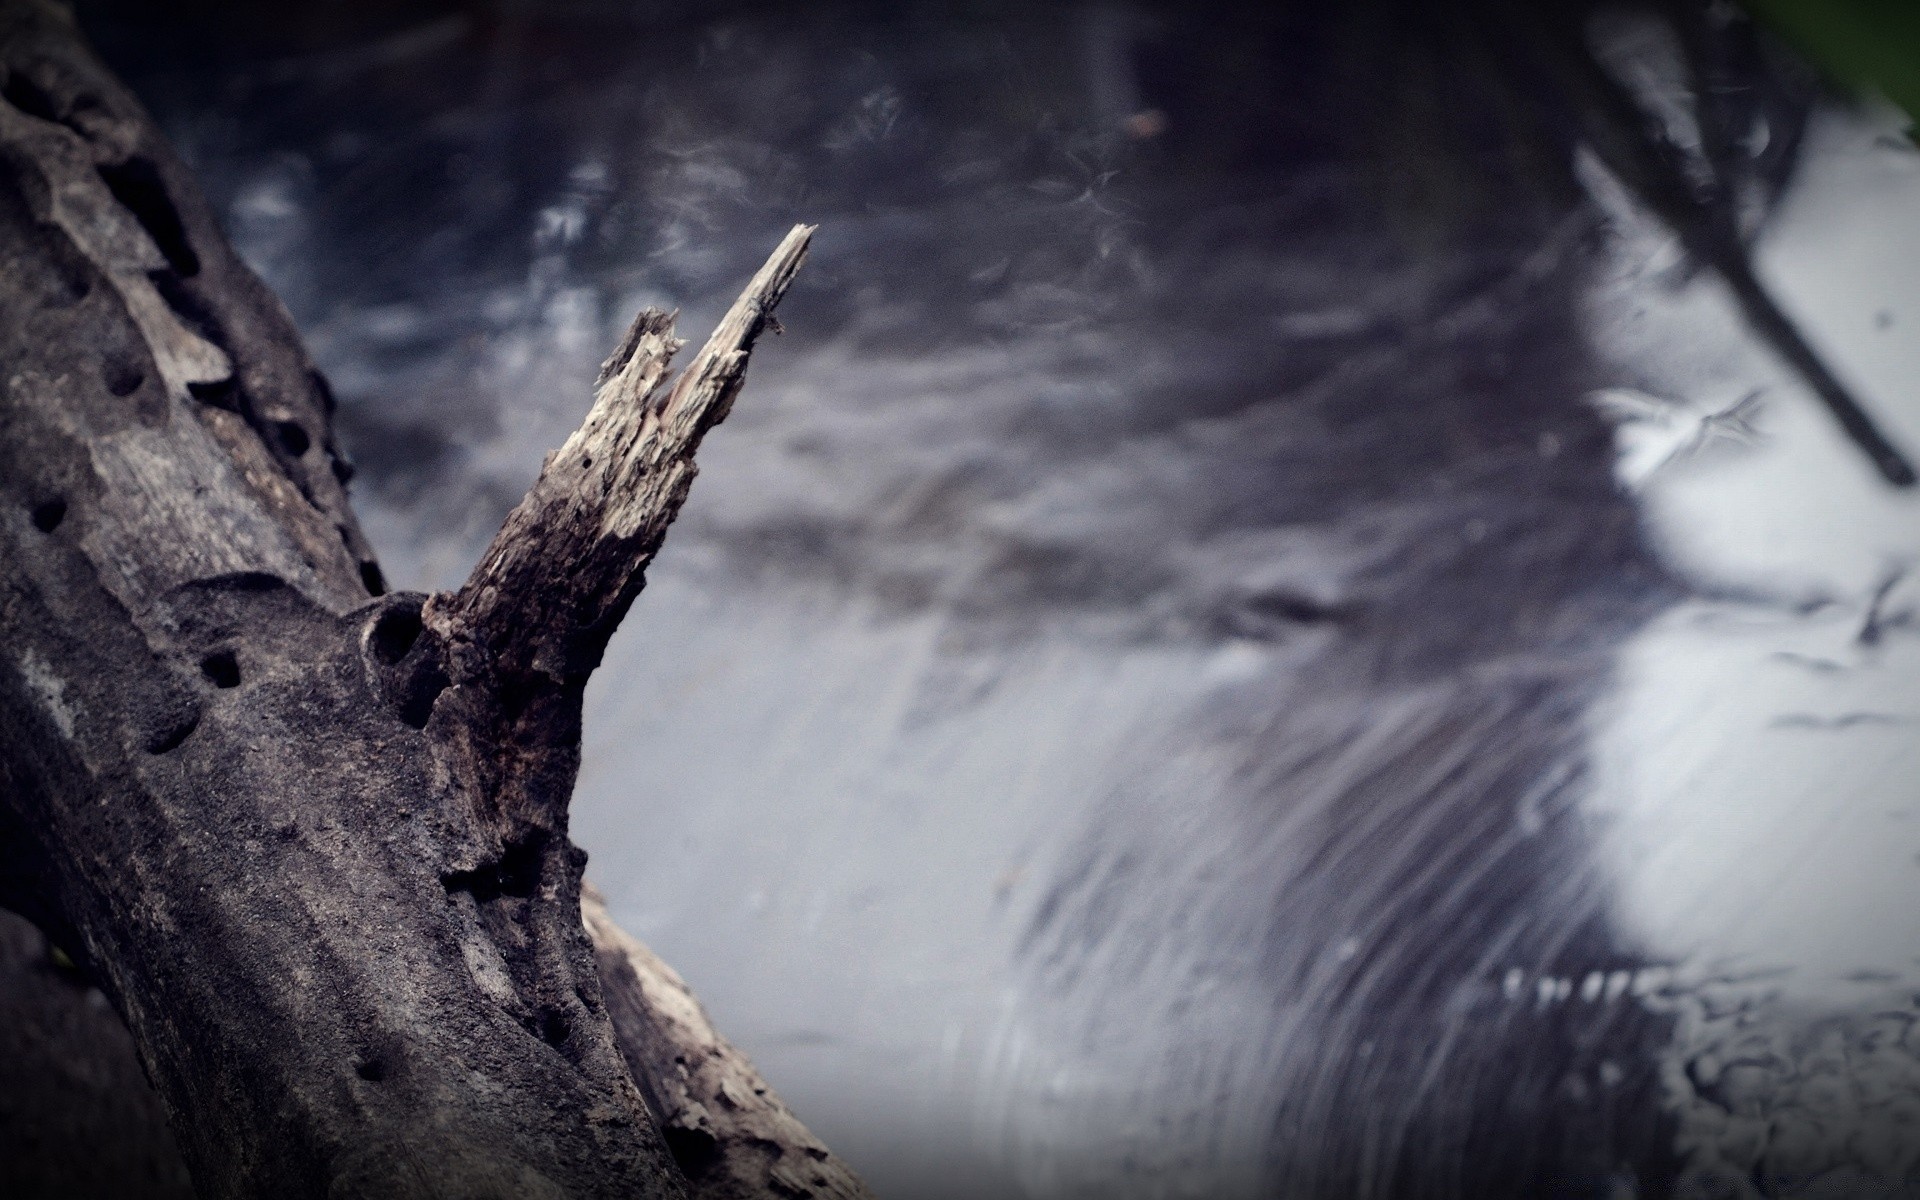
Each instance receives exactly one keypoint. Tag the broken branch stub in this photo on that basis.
(537, 612)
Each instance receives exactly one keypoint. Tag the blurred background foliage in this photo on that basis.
(1865, 44)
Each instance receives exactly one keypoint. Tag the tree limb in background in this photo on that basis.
(1635, 146)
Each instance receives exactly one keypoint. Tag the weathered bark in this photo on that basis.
(309, 839)
(734, 1138)
(78, 1119)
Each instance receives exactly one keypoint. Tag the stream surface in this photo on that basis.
(1178, 677)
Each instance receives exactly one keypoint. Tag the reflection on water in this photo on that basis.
(1758, 766)
(1186, 674)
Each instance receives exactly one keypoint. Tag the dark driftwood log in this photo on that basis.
(309, 839)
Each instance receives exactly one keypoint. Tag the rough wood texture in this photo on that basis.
(78, 1120)
(313, 852)
(520, 637)
(731, 1134)
(570, 559)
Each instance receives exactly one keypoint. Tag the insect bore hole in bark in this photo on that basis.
(420, 678)
(372, 1066)
(395, 633)
(47, 516)
(27, 96)
(136, 184)
(693, 1148)
(35, 101)
(416, 706)
(370, 576)
(293, 438)
(173, 735)
(222, 668)
(516, 873)
(220, 393)
(122, 377)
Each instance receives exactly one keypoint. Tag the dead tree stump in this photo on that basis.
(310, 839)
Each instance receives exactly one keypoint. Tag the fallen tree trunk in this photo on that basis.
(310, 839)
